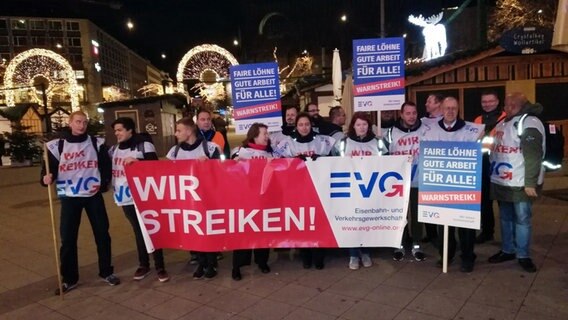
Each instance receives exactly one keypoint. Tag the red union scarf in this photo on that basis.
(225, 205)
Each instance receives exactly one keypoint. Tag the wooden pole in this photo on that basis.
(47, 172)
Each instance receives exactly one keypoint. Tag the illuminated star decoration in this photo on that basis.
(201, 61)
(30, 64)
(434, 35)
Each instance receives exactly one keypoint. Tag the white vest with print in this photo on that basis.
(78, 173)
(289, 148)
(353, 148)
(192, 154)
(122, 195)
(507, 161)
(250, 153)
(470, 132)
(407, 143)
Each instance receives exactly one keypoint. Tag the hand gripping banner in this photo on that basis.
(225, 205)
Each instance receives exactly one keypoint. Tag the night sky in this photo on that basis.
(175, 26)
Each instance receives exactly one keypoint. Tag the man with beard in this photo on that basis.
(290, 114)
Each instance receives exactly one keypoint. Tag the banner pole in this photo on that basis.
(54, 234)
(445, 250)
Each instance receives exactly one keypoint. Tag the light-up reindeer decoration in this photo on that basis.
(434, 35)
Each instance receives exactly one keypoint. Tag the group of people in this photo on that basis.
(82, 167)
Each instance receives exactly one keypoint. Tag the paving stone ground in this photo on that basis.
(388, 290)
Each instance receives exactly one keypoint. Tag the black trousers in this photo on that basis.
(414, 233)
(244, 257)
(312, 255)
(143, 256)
(206, 259)
(487, 215)
(71, 211)
(467, 243)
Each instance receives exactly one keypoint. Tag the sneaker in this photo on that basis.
(501, 257)
(236, 274)
(418, 254)
(264, 268)
(354, 263)
(66, 287)
(398, 254)
(193, 259)
(199, 273)
(141, 273)
(466, 267)
(527, 265)
(112, 280)
(366, 260)
(163, 275)
(210, 272)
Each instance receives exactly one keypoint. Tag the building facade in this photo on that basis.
(103, 66)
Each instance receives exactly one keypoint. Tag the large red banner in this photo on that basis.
(231, 203)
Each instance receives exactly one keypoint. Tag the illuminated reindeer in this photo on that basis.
(434, 35)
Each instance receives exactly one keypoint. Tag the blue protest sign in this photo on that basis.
(256, 96)
(450, 183)
(378, 74)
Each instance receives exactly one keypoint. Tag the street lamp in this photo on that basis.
(343, 18)
(235, 42)
(130, 25)
(163, 56)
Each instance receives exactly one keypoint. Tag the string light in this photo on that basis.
(200, 58)
(33, 63)
(434, 35)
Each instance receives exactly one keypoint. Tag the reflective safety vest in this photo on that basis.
(489, 138)
(353, 148)
(507, 160)
(407, 143)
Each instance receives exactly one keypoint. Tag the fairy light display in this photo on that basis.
(202, 60)
(27, 66)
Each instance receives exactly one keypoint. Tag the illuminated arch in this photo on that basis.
(265, 20)
(30, 64)
(206, 57)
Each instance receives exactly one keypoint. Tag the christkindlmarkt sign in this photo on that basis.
(378, 74)
(527, 40)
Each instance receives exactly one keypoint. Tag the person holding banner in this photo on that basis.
(305, 144)
(132, 147)
(290, 114)
(404, 138)
(207, 131)
(81, 169)
(452, 128)
(192, 145)
(360, 141)
(517, 176)
(255, 146)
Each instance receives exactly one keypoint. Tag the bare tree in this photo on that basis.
(511, 14)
